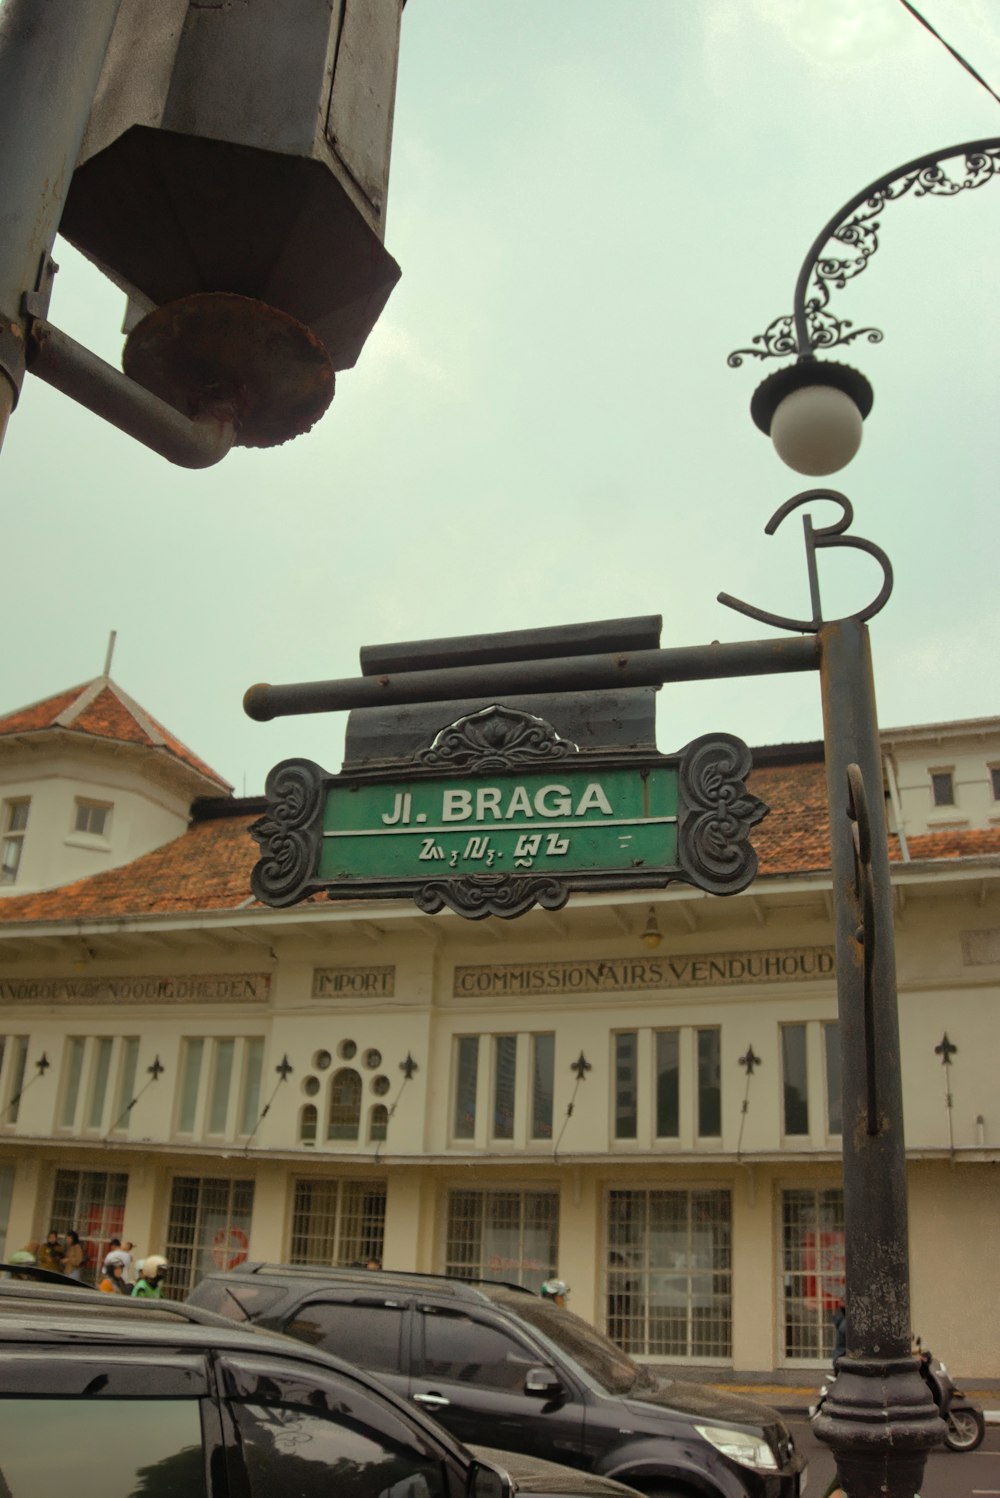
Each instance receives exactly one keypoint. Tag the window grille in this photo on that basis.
(669, 1282)
(503, 1235)
(92, 1202)
(344, 1118)
(337, 1222)
(209, 1228)
(813, 1263)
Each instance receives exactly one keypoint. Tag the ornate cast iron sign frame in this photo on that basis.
(558, 819)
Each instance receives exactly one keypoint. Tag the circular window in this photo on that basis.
(347, 1050)
(322, 1060)
(310, 1086)
(372, 1058)
(380, 1086)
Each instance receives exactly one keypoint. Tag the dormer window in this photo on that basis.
(93, 817)
(15, 825)
(943, 787)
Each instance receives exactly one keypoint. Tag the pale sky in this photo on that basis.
(592, 204)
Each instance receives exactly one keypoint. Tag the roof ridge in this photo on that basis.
(88, 692)
(148, 725)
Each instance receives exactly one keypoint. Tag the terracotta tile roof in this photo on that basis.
(208, 867)
(101, 709)
(794, 837)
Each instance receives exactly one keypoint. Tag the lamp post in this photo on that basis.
(879, 1419)
(814, 409)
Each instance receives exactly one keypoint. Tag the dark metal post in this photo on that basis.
(51, 55)
(879, 1418)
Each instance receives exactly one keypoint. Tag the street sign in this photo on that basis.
(499, 813)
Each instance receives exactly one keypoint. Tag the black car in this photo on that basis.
(106, 1395)
(496, 1363)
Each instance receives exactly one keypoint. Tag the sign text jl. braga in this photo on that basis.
(633, 975)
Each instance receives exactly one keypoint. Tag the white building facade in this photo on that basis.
(656, 1120)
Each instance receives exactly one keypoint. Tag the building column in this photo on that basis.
(581, 1262)
(754, 1272)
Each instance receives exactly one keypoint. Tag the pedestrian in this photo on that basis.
(555, 1290)
(149, 1285)
(839, 1319)
(50, 1253)
(74, 1255)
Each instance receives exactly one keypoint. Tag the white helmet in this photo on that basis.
(153, 1265)
(117, 1256)
(552, 1289)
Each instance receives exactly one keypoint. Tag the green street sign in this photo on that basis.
(580, 819)
(498, 814)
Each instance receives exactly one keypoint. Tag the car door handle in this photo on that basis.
(432, 1401)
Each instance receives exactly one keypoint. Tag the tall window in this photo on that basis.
(834, 1105)
(669, 1287)
(626, 1045)
(795, 1116)
(125, 1091)
(14, 826)
(337, 1222)
(344, 1117)
(813, 1253)
(995, 781)
(543, 1062)
(13, 1063)
(220, 1081)
(92, 1202)
(709, 1084)
(503, 1235)
(208, 1228)
(504, 1077)
(466, 1081)
(72, 1073)
(668, 1110)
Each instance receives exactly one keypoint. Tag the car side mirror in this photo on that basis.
(484, 1480)
(543, 1383)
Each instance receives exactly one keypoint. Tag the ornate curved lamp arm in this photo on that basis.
(810, 326)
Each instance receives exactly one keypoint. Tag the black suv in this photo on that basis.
(496, 1363)
(102, 1394)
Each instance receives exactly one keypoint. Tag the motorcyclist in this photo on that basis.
(150, 1282)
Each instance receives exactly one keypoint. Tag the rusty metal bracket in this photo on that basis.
(864, 893)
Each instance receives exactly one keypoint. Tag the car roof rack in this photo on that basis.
(357, 1273)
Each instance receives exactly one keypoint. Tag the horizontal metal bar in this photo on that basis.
(585, 673)
(67, 366)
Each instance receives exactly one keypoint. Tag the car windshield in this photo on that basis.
(612, 1369)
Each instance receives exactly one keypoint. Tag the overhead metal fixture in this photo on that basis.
(651, 936)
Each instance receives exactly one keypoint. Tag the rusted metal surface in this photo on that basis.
(879, 1418)
(218, 350)
(248, 152)
(568, 674)
(69, 367)
(51, 56)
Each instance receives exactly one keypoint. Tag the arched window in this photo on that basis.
(345, 1105)
(308, 1119)
(378, 1122)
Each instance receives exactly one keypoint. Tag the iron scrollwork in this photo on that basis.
(816, 538)
(496, 738)
(811, 326)
(717, 814)
(476, 896)
(289, 832)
